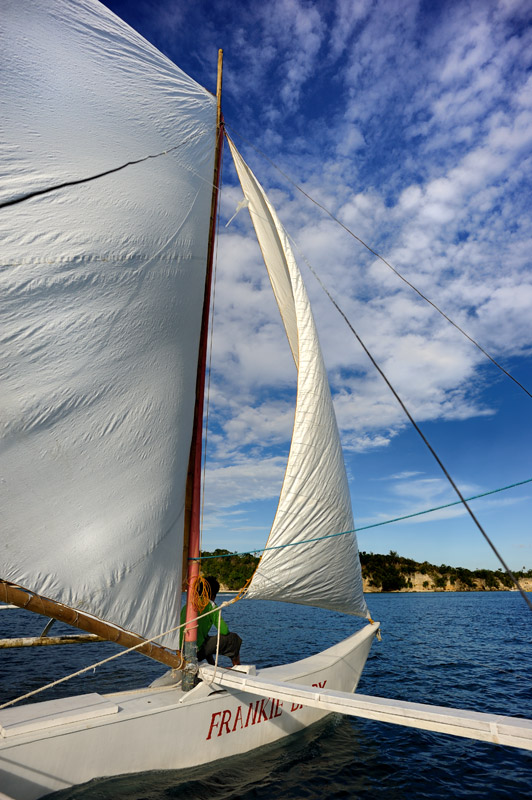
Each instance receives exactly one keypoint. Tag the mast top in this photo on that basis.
(219, 89)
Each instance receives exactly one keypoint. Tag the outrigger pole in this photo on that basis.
(191, 547)
(24, 598)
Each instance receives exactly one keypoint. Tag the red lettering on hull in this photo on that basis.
(263, 714)
(226, 716)
(252, 708)
(258, 711)
(238, 718)
(319, 685)
(213, 722)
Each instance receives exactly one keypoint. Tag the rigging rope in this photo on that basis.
(423, 437)
(373, 525)
(117, 655)
(87, 669)
(201, 593)
(387, 263)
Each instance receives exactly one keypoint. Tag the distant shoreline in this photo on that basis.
(420, 582)
(525, 583)
(434, 590)
(382, 573)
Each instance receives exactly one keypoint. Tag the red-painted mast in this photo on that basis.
(191, 550)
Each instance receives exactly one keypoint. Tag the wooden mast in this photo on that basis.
(191, 549)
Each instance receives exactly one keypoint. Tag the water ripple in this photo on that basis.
(469, 650)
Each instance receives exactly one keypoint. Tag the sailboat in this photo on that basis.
(108, 212)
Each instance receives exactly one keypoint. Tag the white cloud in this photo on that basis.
(401, 476)
(259, 427)
(350, 139)
(348, 15)
(413, 124)
(247, 480)
(302, 26)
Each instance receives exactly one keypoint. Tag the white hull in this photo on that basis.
(161, 728)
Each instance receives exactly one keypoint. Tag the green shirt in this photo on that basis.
(204, 624)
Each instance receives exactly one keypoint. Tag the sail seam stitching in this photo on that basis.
(88, 179)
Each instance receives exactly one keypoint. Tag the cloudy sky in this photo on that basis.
(412, 123)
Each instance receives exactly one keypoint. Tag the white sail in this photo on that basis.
(102, 287)
(315, 500)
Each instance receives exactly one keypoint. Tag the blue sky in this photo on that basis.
(411, 122)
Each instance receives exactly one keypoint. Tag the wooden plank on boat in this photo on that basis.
(495, 728)
(38, 716)
(42, 641)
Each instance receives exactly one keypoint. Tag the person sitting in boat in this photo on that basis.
(229, 642)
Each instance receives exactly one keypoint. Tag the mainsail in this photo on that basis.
(102, 285)
(319, 570)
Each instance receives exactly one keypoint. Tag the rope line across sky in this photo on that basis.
(367, 527)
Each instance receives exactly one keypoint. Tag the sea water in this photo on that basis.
(467, 650)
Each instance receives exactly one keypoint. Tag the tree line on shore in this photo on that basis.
(385, 573)
(231, 570)
(392, 573)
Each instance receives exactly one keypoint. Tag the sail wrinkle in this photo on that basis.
(315, 500)
(104, 283)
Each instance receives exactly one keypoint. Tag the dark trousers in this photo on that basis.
(229, 646)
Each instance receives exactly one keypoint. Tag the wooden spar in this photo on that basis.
(191, 548)
(23, 598)
(194, 469)
(42, 641)
(494, 728)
